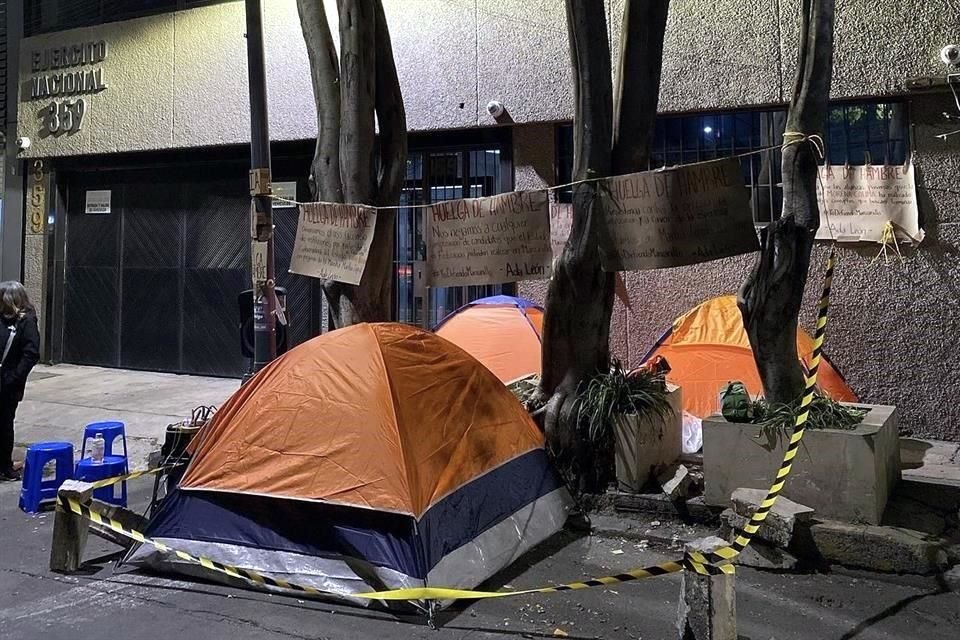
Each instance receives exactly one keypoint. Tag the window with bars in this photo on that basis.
(434, 176)
(857, 133)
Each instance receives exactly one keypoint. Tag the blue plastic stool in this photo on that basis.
(111, 467)
(35, 490)
(110, 431)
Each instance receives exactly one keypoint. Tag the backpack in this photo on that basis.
(735, 404)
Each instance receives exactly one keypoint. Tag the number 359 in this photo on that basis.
(64, 117)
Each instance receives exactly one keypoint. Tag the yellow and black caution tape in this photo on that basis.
(726, 554)
(100, 484)
(698, 564)
(712, 563)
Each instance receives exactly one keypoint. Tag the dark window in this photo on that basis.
(44, 16)
(857, 133)
(434, 175)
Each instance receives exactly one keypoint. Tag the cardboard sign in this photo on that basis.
(258, 263)
(561, 221)
(98, 202)
(287, 191)
(679, 216)
(489, 240)
(856, 202)
(333, 241)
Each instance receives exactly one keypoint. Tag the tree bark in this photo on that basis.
(771, 297)
(579, 302)
(350, 164)
(576, 330)
(325, 181)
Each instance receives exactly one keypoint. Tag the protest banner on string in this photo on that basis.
(678, 216)
(333, 241)
(561, 222)
(857, 202)
(503, 238)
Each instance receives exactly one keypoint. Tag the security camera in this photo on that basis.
(950, 55)
(23, 143)
(495, 108)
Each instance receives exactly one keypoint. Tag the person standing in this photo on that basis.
(20, 349)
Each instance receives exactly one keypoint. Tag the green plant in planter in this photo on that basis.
(617, 392)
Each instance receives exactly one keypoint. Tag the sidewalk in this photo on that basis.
(62, 399)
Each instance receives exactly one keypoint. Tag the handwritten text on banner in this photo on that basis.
(333, 241)
(858, 201)
(503, 238)
(679, 216)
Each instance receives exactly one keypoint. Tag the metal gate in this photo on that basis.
(153, 284)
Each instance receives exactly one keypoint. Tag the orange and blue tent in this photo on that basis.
(707, 347)
(378, 456)
(502, 332)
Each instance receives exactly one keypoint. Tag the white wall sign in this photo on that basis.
(857, 202)
(287, 191)
(98, 202)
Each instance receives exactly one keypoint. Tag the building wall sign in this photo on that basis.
(61, 72)
(98, 201)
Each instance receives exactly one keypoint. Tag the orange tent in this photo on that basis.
(502, 332)
(707, 347)
(378, 455)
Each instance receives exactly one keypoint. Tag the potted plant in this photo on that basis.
(635, 417)
(845, 468)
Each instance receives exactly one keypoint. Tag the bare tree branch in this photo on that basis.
(357, 82)
(638, 83)
(770, 299)
(391, 116)
(325, 181)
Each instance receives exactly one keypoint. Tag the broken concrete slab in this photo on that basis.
(886, 549)
(781, 521)
(675, 481)
(845, 475)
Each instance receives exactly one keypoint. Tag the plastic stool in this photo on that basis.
(111, 467)
(35, 490)
(110, 431)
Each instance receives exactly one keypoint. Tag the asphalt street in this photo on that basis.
(104, 601)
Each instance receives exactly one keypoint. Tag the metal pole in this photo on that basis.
(261, 209)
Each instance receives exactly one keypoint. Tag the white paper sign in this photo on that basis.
(287, 191)
(856, 203)
(503, 238)
(333, 241)
(679, 216)
(98, 202)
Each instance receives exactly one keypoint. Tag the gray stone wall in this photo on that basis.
(179, 79)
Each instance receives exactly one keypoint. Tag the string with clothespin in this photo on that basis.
(558, 187)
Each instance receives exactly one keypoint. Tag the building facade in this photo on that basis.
(139, 111)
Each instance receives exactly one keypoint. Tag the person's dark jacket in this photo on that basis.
(23, 355)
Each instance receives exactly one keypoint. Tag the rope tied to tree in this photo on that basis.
(791, 138)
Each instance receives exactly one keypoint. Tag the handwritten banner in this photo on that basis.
(333, 241)
(475, 241)
(857, 202)
(679, 216)
(561, 222)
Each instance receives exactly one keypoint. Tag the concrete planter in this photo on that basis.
(843, 475)
(646, 444)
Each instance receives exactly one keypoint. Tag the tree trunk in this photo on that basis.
(770, 299)
(576, 328)
(350, 164)
(576, 325)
